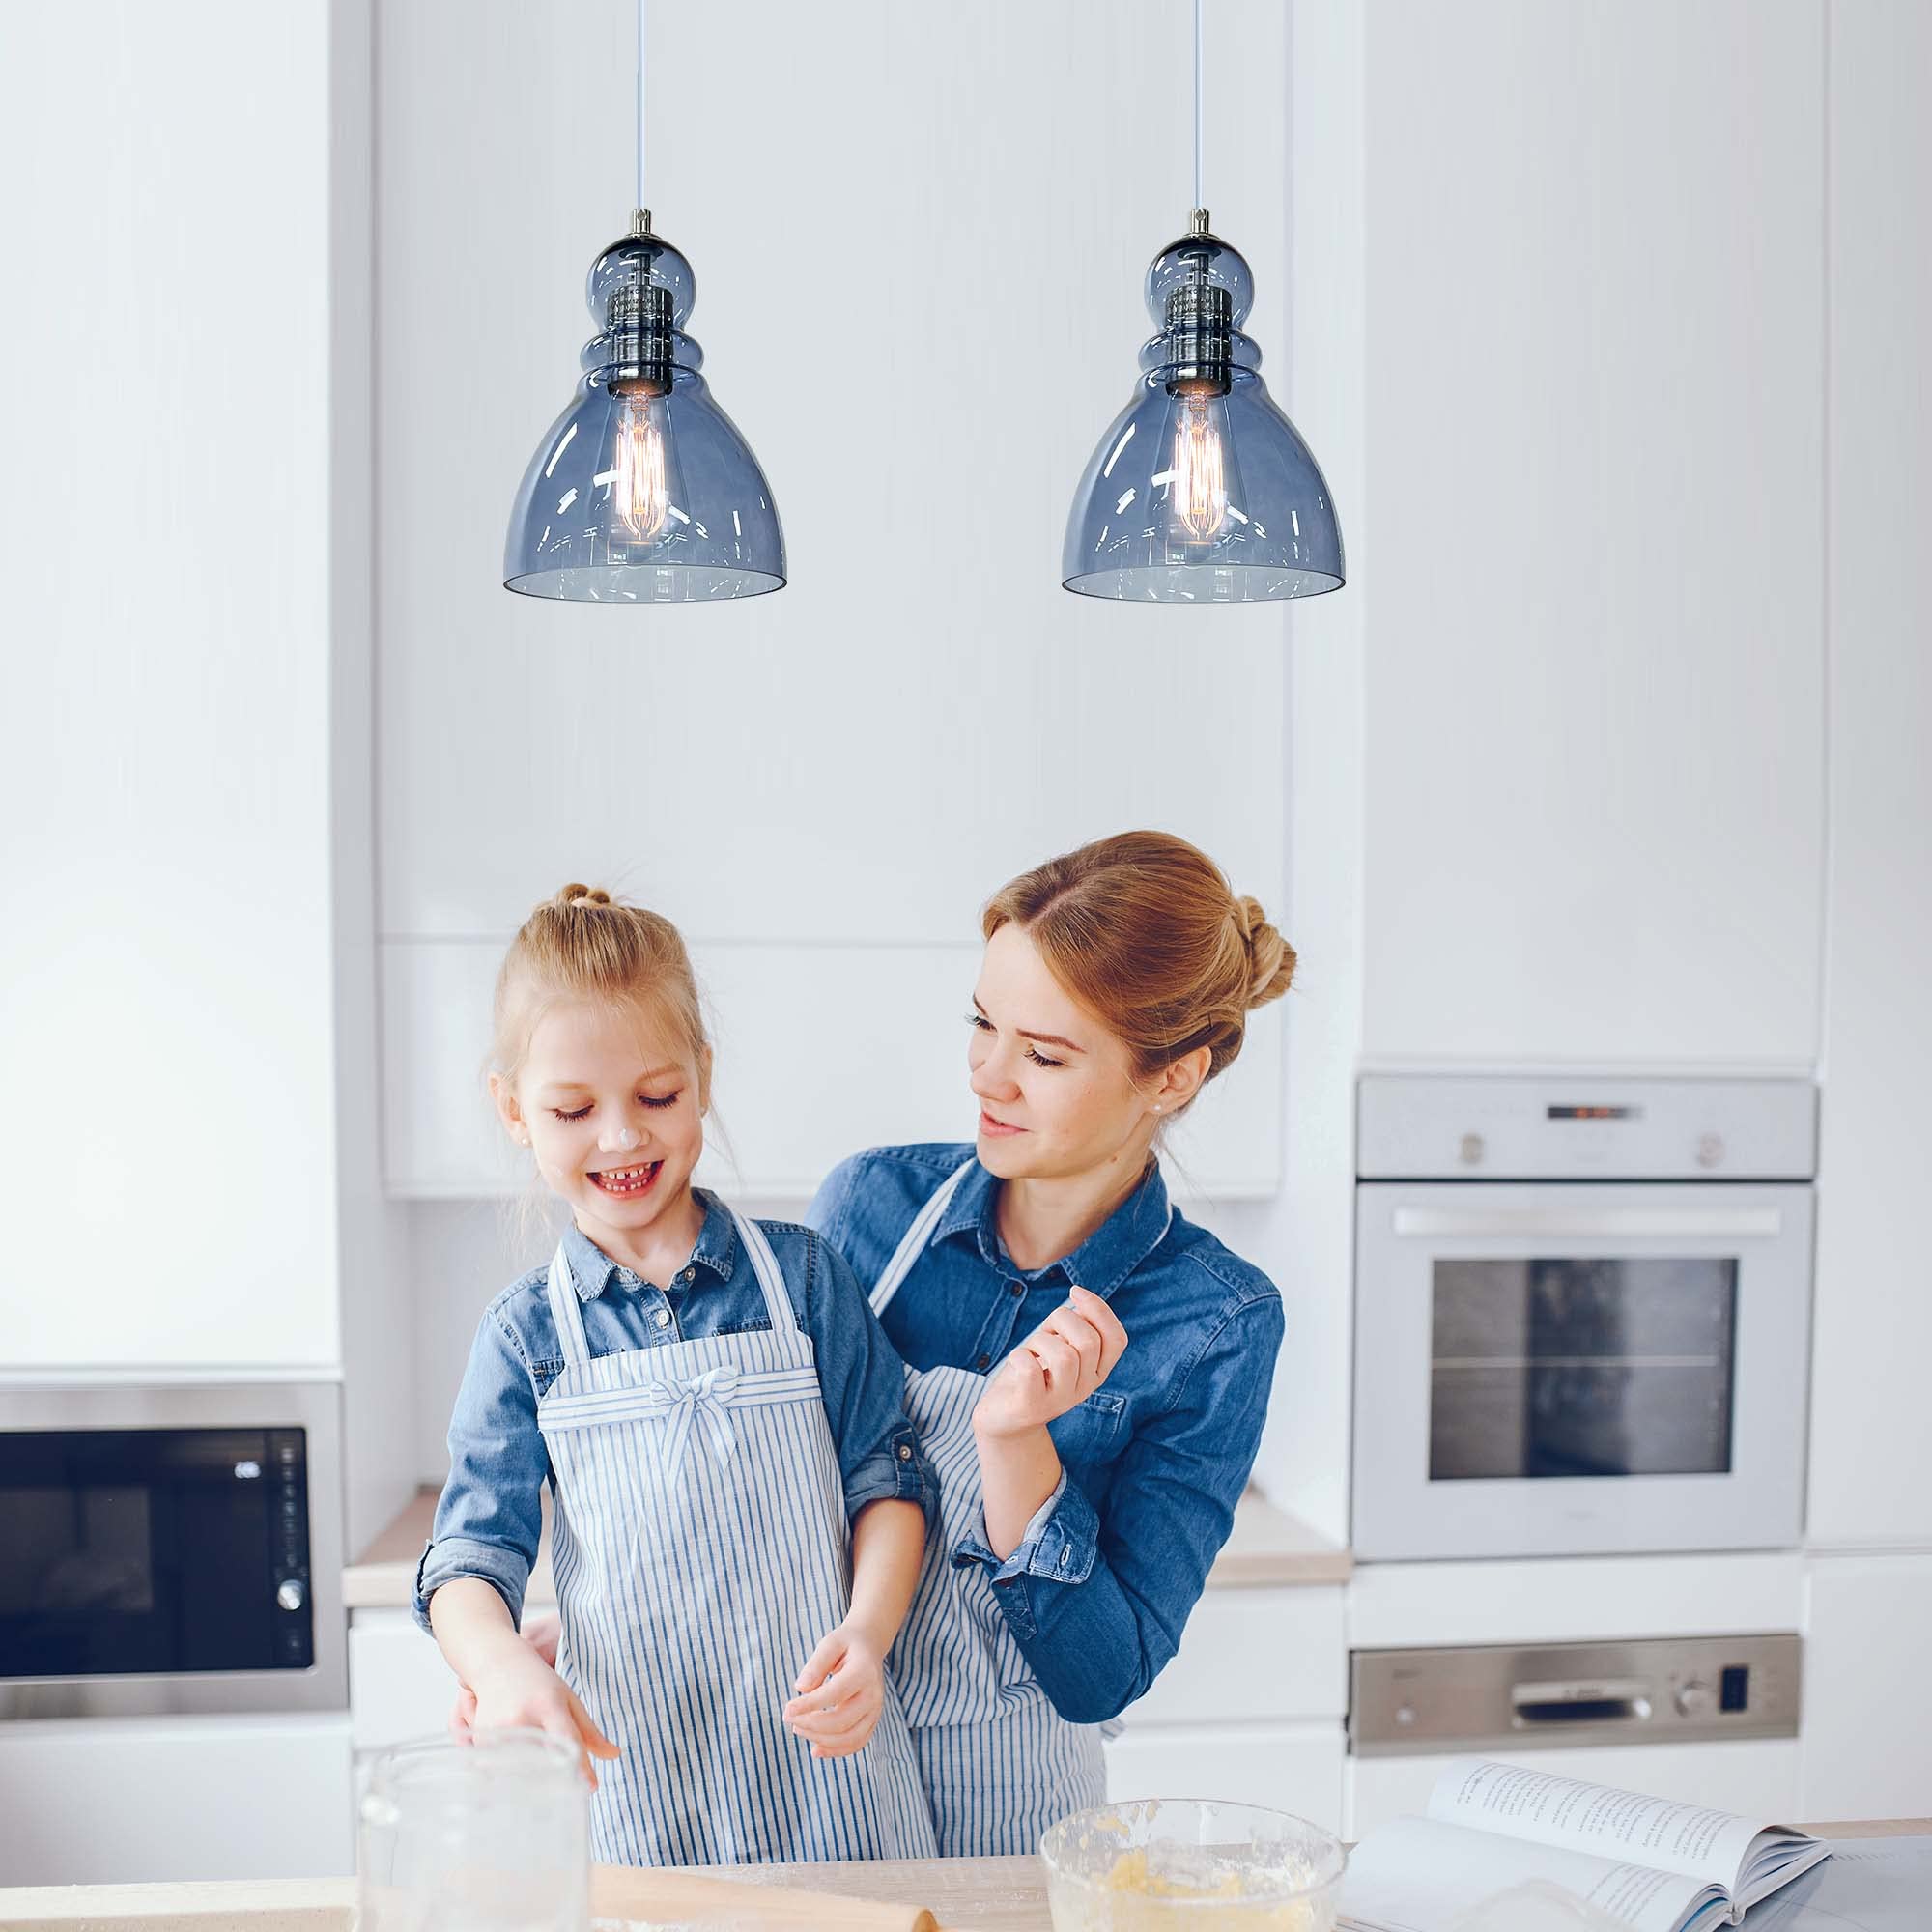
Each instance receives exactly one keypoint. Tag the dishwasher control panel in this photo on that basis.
(1522, 1696)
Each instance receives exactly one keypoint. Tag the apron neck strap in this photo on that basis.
(567, 1312)
(778, 1302)
(912, 1243)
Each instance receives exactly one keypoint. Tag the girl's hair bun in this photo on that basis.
(1270, 958)
(576, 896)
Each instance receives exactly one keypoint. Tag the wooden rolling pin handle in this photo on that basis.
(624, 1892)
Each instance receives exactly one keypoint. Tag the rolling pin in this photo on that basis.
(626, 1892)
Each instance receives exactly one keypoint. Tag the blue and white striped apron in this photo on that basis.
(701, 1551)
(1000, 1764)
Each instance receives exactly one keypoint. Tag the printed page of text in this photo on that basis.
(1690, 1839)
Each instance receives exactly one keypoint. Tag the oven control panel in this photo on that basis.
(1585, 1126)
(287, 1543)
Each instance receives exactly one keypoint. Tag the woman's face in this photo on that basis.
(1054, 1086)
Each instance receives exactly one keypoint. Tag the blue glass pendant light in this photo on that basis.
(642, 491)
(1201, 491)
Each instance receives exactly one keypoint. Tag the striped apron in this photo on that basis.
(701, 1551)
(998, 1762)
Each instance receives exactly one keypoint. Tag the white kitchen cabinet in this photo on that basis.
(822, 786)
(104, 1800)
(1871, 1441)
(1867, 1699)
(1285, 1766)
(399, 1686)
(166, 943)
(1592, 509)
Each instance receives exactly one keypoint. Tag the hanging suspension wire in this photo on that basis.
(639, 202)
(1198, 4)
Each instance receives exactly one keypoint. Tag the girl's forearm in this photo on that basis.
(1018, 1471)
(472, 1625)
(887, 1548)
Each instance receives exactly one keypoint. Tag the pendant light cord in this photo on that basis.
(1198, 4)
(639, 202)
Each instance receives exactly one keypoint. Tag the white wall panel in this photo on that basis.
(919, 236)
(1595, 440)
(167, 1150)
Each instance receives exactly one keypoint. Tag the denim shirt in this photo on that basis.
(489, 1516)
(1154, 1461)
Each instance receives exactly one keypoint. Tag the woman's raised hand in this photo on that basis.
(1055, 1369)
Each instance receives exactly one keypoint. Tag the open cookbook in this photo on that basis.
(1648, 1864)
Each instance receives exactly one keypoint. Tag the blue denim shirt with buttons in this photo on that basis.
(489, 1517)
(1153, 1463)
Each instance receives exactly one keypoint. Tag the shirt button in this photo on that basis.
(1063, 1555)
(905, 1454)
(1016, 1290)
(985, 1361)
(691, 1274)
(663, 1318)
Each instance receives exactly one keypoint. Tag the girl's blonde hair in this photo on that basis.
(580, 944)
(1144, 930)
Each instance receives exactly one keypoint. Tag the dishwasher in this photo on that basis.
(1695, 1718)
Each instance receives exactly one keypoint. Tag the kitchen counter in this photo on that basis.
(1267, 1547)
(970, 1894)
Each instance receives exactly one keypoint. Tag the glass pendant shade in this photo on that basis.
(1202, 491)
(642, 491)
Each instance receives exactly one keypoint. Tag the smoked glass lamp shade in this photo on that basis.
(642, 491)
(1202, 491)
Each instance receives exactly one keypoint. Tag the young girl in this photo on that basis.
(711, 1400)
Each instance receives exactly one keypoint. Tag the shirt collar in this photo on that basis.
(591, 1269)
(1102, 1262)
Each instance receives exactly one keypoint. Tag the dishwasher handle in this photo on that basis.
(1619, 1700)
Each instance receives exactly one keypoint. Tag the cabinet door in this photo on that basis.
(1250, 1654)
(1286, 1767)
(399, 1686)
(1868, 1698)
(1594, 496)
(104, 1800)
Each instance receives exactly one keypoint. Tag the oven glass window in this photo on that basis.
(1599, 1367)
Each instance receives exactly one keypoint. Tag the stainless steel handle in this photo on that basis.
(1589, 1224)
(1618, 1700)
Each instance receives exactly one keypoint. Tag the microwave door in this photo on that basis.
(1544, 1370)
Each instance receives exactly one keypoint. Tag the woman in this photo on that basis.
(1088, 1369)
(1091, 1370)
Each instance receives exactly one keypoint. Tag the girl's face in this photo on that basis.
(1056, 1092)
(612, 1107)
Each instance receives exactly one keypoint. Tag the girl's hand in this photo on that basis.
(1055, 1369)
(542, 1632)
(841, 1692)
(515, 1687)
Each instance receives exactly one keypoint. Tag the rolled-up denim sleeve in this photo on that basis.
(862, 1382)
(1098, 1604)
(489, 1518)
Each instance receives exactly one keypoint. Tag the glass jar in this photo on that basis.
(490, 1836)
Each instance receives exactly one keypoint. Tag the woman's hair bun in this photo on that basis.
(576, 896)
(1270, 958)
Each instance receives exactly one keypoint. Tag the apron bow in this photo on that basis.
(705, 1398)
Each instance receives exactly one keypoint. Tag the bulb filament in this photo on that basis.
(640, 489)
(1200, 488)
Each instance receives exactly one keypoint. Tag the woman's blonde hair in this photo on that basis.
(580, 944)
(1144, 930)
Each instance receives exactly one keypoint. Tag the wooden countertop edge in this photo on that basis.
(1268, 1548)
(984, 1892)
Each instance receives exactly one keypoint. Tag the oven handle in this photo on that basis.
(1614, 1224)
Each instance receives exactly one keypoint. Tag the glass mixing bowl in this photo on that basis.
(1174, 1865)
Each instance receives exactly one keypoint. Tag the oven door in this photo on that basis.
(1549, 1369)
(169, 1550)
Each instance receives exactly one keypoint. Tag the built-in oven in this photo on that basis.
(1582, 1314)
(170, 1549)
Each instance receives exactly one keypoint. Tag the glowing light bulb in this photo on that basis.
(1199, 491)
(640, 486)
